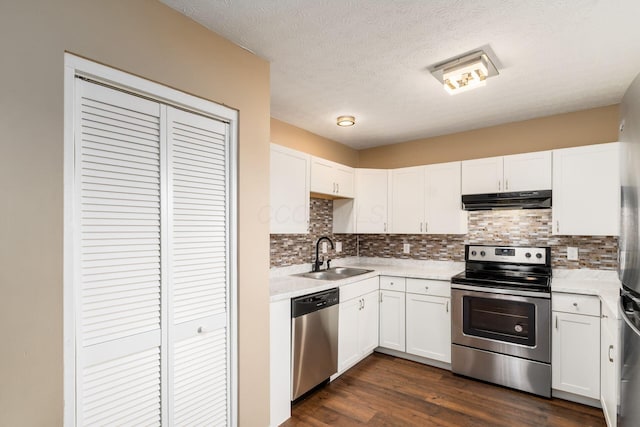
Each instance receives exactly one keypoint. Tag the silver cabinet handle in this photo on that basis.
(558, 226)
(499, 185)
(426, 227)
(426, 288)
(604, 316)
(421, 227)
(610, 356)
(200, 329)
(334, 187)
(556, 322)
(363, 301)
(506, 184)
(338, 188)
(575, 304)
(385, 226)
(447, 306)
(380, 296)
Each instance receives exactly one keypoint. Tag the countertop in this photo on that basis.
(284, 286)
(602, 283)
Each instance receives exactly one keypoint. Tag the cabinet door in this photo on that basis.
(368, 323)
(443, 207)
(344, 178)
(322, 176)
(407, 200)
(392, 320)
(527, 172)
(609, 367)
(280, 361)
(586, 190)
(576, 354)
(290, 171)
(371, 200)
(348, 345)
(482, 176)
(428, 327)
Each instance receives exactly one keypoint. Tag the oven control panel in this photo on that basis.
(510, 254)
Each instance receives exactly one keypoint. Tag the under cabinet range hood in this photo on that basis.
(514, 200)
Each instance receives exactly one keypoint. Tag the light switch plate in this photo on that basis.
(338, 246)
(406, 248)
(324, 247)
(572, 253)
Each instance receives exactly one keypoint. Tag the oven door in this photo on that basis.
(509, 324)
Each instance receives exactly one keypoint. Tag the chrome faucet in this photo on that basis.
(318, 263)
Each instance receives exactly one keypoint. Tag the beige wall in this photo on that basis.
(142, 37)
(564, 130)
(299, 139)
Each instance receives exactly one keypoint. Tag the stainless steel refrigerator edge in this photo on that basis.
(629, 257)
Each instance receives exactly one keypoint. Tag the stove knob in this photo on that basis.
(528, 255)
(538, 255)
(474, 253)
(482, 253)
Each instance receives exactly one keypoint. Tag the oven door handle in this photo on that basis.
(497, 290)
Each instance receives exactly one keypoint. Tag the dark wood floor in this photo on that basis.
(387, 391)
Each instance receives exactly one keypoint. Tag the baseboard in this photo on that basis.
(576, 398)
(414, 358)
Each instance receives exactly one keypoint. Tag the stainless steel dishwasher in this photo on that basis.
(314, 339)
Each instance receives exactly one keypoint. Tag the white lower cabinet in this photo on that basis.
(280, 361)
(392, 320)
(358, 322)
(575, 342)
(428, 326)
(609, 365)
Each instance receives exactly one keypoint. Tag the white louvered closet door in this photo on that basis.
(199, 374)
(118, 246)
(152, 314)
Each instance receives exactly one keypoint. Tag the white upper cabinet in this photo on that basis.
(426, 199)
(290, 172)
(372, 188)
(527, 172)
(482, 175)
(407, 200)
(518, 172)
(443, 212)
(586, 190)
(331, 178)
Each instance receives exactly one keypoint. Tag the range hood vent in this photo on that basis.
(514, 200)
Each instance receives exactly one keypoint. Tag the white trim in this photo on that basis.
(68, 305)
(232, 238)
(76, 66)
(102, 73)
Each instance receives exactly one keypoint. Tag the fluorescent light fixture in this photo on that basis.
(465, 73)
(345, 121)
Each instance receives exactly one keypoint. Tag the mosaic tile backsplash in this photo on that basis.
(508, 227)
(293, 249)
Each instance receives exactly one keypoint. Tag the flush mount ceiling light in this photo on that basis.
(345, 121)
(465, 73)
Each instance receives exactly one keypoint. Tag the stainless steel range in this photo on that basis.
(501, 317)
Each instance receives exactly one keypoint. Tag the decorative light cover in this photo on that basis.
(345, 121)
(465, 73)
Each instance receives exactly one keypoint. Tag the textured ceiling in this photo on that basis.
(369, 58)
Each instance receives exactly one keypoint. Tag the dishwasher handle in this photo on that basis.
(313, 302)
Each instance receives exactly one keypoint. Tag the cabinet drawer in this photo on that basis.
(392, 283)
(439, 288)
(354, 290)
(576, 303)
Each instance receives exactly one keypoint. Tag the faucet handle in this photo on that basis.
(328, 263)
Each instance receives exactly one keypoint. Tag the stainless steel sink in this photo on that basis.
(335, 273)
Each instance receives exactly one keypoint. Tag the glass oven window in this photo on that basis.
(500, 320)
